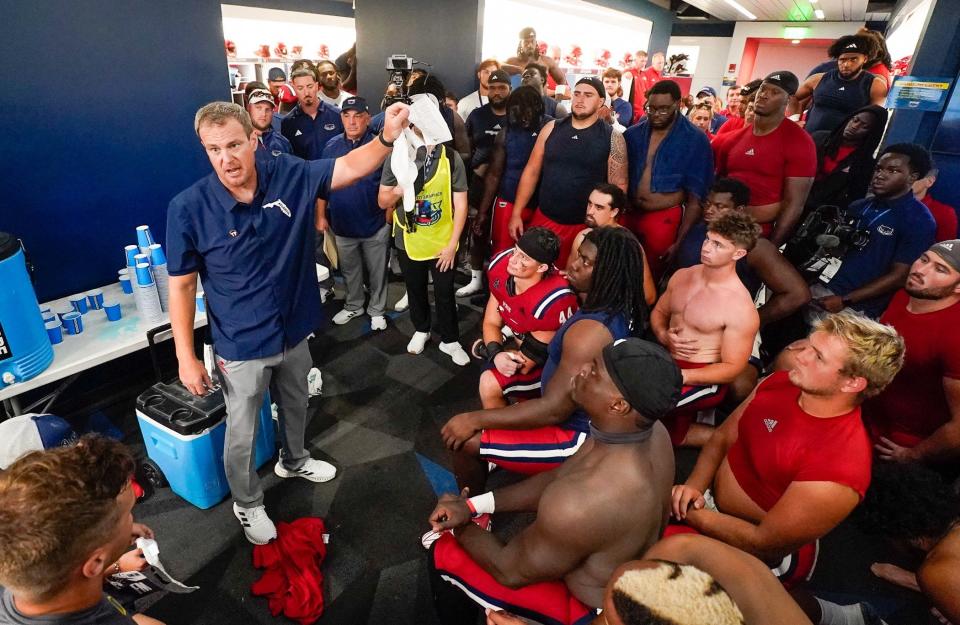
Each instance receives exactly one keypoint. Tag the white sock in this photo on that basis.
(835, 614)
(476, 275)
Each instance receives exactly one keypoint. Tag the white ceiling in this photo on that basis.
(785, 10)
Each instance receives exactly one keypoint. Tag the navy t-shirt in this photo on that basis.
(353, 211)
(483, 126)
(900, 231)
(256, 261)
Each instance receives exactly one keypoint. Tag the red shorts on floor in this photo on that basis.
(544, 602)
(795, 568)
(567, 234)
(657, 231)
(693, 399)
(521, 386)
(500, 238)
(530, 451)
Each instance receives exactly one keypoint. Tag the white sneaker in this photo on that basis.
(472, 288)
(378, 322)
(402, 304)
(325, 294)
(314, 382)
(345, 315)
(455, 351)
(257, 526)
(313, 470)
(417, 342)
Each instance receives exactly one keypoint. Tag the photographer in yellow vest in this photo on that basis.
(426, 240)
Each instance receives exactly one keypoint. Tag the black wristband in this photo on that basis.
(493, 348)
(388, 144)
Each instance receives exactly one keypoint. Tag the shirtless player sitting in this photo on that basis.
(793, 460)
(708, 321)
(530, 297)
(604, 506)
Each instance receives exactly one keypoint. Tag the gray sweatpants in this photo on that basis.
(244, 383)
(355, 254)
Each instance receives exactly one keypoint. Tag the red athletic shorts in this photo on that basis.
(521, 386)
(795, 568)
(500, 238)
(530, 451)
(657, 231)
(693, 399)
(544, 602)
(567, 234)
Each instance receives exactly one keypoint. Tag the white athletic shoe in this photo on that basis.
(471, 288)
(402, 304)
(257, 526)
(313, 470)
(345, 315)
(455, 351)
(325, 295)
(417, 342)
(378, 322)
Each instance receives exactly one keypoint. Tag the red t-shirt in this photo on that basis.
(881, 70)
(778, 444)
(542, 307)
(914, 405)
(944, 215)
(732, 123)
(641, 84)
(762, 163)
(830, 163)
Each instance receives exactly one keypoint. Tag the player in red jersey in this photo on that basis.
(530, 297)
(793, 460)
(917, 417)
(773, 156)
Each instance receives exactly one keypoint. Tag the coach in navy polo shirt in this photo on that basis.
(247, 230)
(358, 222)
(312, 122)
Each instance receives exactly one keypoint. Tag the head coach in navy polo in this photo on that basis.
(247, 229)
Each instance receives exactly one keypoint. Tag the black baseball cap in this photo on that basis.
(783, 79)
(355, 103)
(499, 75)
(646, 375)
(594, 82)
(276, 73)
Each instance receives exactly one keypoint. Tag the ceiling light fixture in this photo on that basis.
(819, 13)
(795, 41)
(739, 8)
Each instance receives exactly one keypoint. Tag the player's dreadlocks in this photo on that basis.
(617, 283)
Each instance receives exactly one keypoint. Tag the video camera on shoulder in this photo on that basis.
(399, 67)
(828, 232)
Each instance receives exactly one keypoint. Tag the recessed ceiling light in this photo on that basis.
(740, 8)
(819, 13)
(795, 41)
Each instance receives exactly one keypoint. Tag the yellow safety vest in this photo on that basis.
(433, 214)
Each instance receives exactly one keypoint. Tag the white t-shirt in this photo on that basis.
(469, 102)
(335, 101)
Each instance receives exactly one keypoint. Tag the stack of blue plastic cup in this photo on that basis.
(145, 293)
(130, 252)
(158, 263)
(144, 239)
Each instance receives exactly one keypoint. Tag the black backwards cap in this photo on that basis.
(646, 375)
(594, 82)
(783, 79)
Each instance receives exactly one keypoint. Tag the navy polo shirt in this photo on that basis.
(273, 141)
(255, 260)
(309, 135)
(900, 231)
(353, 211)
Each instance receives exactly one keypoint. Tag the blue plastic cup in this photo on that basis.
(64, 310)
(113, 310)
(79, 303)
(130, 251)
(144, 237)
(73, 323)
(48, 314)
(95, 299)
(141, 258)
(201, 306)
(144, 277)
(157, 257)
(125, 283)
(54, 331)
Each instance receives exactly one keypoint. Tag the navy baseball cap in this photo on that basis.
(276, 73)
(709, 90)
(355, 103)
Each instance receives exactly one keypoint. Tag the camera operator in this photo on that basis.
(894, 230)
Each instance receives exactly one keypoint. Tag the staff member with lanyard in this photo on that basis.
(426, 240)
(247, 230)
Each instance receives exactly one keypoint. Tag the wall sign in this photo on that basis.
(919, 93)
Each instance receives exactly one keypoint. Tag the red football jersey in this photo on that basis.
(544, 307)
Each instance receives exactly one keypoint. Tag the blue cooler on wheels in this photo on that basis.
(184, 435)
(25, 349)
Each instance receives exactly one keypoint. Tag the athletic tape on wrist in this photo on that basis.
(482, 504)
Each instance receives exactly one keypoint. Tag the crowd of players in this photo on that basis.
(639, 261)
